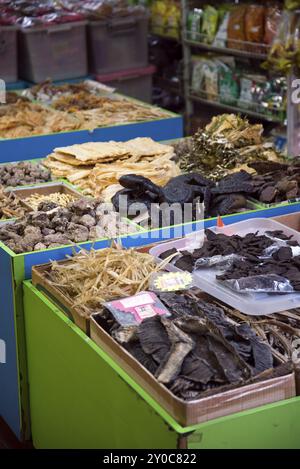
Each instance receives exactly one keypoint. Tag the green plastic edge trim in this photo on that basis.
(157, 408)
(18, 271)
(143, 232)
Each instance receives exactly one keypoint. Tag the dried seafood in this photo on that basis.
(275, 183)
(58, 198)
(280, 330)
(228, 196)
(199, 350)
(265, 263)
(10, 206)
(225, 145)
(77, 111)
(94, 167)
(93, 277)
(23, 173)
(23, 119)
(12, 97)
(53, 226)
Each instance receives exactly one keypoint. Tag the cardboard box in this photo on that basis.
(292, 220)
(200, 410)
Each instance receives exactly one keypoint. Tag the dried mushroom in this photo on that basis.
(52, 226)
(23, 173)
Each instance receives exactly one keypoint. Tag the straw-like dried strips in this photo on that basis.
(92, 277)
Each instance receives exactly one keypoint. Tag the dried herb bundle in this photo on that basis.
(226, 144)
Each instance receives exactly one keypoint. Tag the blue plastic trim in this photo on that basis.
(42, 145)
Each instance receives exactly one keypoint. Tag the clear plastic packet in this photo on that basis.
(270, 283)
(221, 262)
(133, 310)
(170, 281)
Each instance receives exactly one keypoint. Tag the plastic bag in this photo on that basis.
(221, 36)
(194, 24)
(254, 23)
(133, 310)
(272, 21)
(229, 88)
(209, 24)
(271, 283)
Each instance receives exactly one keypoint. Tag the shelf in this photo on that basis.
(227, 51)
(231, 108)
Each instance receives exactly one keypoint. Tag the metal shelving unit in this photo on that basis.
(236, 109)
(227, 51)
(248, 50)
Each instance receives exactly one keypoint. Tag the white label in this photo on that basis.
(138, 300)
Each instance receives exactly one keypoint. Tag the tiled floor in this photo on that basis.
(8, 439)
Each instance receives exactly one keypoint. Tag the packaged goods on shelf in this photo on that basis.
(222, 80)
(245, 27)
(165, 18)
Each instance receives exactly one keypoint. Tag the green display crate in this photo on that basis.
(14, 268)
(81, 398)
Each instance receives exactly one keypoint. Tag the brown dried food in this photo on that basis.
(92, 277)
(275, 182)
(56, 226)
(23, 173)
(10, 206)
(236, 28)
(227, 144)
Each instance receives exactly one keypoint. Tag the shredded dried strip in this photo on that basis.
(92, 277)
(63, 200)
